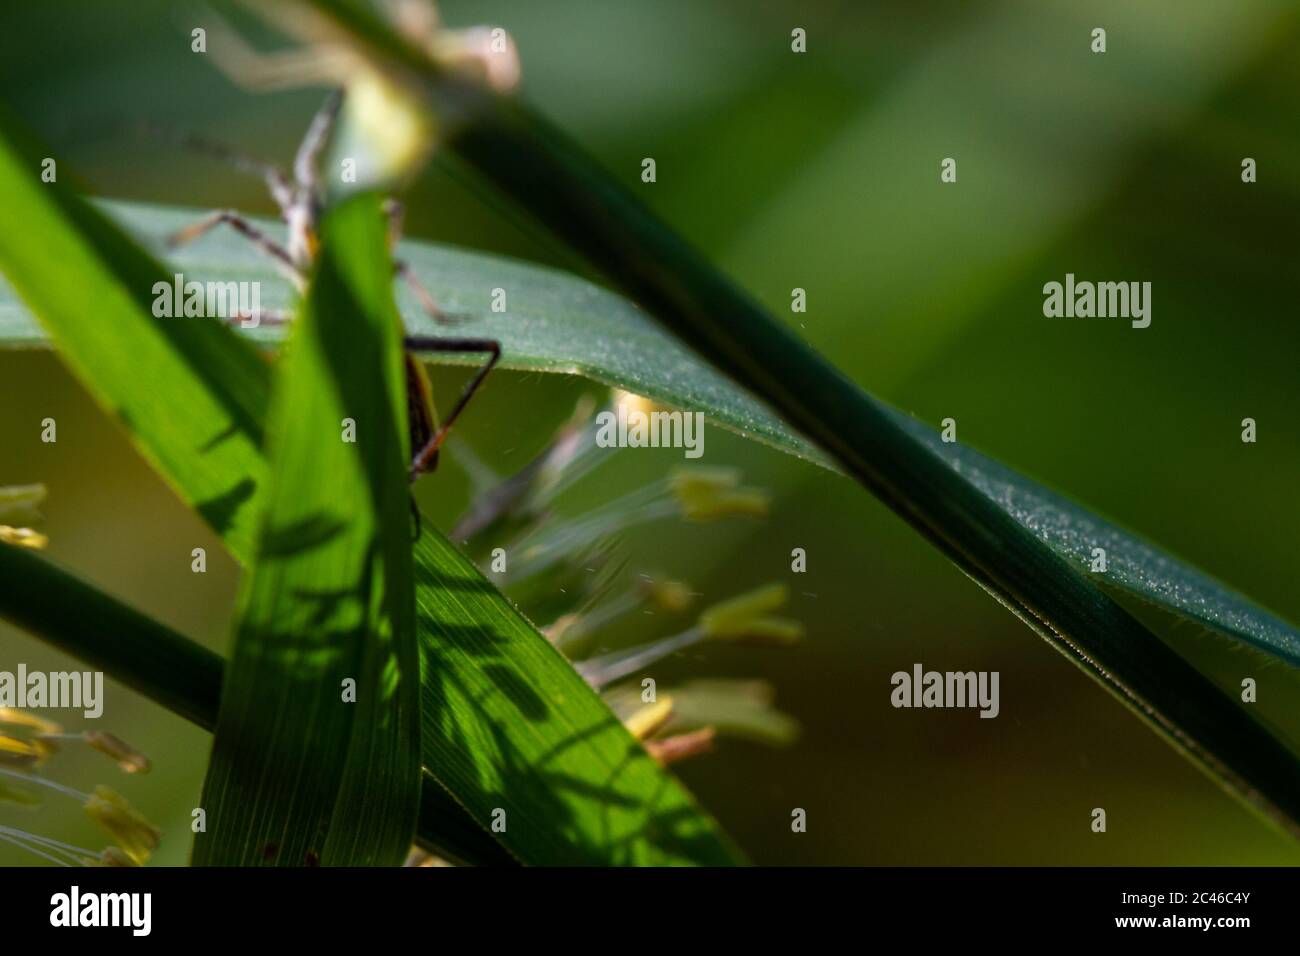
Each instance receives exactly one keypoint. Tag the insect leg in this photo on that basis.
(425, 297)
(306, 165)
(281, 70)
(246, 229)
(394, 212)
(251, 320)
(422, 458)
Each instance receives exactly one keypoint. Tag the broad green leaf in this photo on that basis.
(554, 742)
(316, 753)
(560, 323)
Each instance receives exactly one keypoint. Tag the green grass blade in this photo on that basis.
(1134, 565)
(594, 792)
(537, 705)
(560, 323)
(316, 754)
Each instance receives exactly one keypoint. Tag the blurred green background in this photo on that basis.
(820, 171)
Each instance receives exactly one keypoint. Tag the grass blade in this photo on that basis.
(304, 769)
(561, 323)
(592, 792)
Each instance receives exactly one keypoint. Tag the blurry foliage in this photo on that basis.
(1138, 179)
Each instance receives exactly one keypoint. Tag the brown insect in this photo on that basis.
(302, 202)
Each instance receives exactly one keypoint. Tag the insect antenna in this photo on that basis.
(276, 181)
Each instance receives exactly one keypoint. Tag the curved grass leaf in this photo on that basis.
(527, 731)
(560, 323)
(1134, 565)
(316, 753)
(594, 794)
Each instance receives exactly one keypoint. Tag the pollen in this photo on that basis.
(137, 837)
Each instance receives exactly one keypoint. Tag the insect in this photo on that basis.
(302, 201)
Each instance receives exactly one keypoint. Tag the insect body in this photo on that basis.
(301, 202)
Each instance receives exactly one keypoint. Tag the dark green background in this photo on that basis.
(820, 171)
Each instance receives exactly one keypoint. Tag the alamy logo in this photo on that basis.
(922, 688)
(77, 690)
(134, 910)
(634, 427)
(223, 300)
(1102, 300)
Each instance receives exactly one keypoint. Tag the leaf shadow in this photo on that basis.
(559, 815)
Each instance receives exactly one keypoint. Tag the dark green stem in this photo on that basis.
(95, 627)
